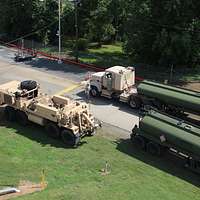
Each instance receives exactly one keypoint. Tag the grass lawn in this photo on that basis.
(74, 173)
(106, 56)
(111, 55)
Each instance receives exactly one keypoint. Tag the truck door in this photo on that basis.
(109, 81)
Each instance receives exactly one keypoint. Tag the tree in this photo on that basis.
(22, 17)
(163, 32)
(95, 21)
(16, 18)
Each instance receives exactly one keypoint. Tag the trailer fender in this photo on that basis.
(134, 102)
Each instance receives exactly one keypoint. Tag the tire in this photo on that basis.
(94, 92)
(69, 138)
(139, 141)
(52, 130)
(28, 85)
(22, 118)
(92, 133)
(154, 149)
(10, 114)
(134, 102)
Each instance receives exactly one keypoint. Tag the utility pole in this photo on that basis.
(76, 3)
(22, 47)
(76, 27)
(171, 73)
(59, 31)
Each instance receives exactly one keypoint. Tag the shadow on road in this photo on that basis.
(43, 63)
(100, 101)
(170, 163)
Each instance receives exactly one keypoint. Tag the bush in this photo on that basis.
(68, 43)
(82, 44)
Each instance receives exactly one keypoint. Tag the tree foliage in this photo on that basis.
(163, 32)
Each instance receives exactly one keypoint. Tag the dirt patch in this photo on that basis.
(193, 86)
(25, 187)
(190, 85)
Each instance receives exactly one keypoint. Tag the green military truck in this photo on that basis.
(159, 132)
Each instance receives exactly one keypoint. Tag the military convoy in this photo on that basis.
(162, 127)
(158, 130)
(59, 115)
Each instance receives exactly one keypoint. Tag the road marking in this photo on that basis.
(68, 89)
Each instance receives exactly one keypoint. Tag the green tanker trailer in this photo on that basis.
(158, 132)
(168, 98)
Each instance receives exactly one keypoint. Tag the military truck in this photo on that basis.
(61, 116)
(159, 132)
(116, 82)
(119, 82)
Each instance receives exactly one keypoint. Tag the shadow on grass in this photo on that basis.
(160, 73)
(104, 59)
(169, 164)
(34, 132)
(107, 59)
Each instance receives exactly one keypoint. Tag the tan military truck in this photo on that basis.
(59, 115)
(116, 82)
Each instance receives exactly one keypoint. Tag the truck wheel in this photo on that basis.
(52, 130)
(10, 113)
(22, 118)
(92, 132)
(134, 102)
(94, 91)
(139, 141)
(69, 138)
(154, 149)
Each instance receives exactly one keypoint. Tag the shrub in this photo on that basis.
(82, 44)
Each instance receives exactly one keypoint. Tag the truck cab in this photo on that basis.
(116, 82)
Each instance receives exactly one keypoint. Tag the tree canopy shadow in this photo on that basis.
(46, 64)
(169, 163)
(106, 59)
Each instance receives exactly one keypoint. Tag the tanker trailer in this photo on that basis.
(169, 98)
(159, 132)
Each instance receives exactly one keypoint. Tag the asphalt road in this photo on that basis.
(55, 78)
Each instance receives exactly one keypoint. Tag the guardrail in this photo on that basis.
(67, 61)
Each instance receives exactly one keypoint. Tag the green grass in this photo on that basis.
(111, 55)
(163, 73)
(74, 173)
(106, 56)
